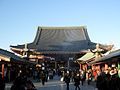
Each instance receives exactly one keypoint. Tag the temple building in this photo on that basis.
(59, 45)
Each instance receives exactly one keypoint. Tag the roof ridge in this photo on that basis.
(62, 27)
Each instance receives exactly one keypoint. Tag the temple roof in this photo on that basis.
(60, 40)
(107, 58)
(86, 57)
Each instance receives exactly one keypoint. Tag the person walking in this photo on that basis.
(43, 78)
(89, 76)
(30, 85)
(77, 81)
(2, 83)
(67, 80)
(82, 76)
(19, 83)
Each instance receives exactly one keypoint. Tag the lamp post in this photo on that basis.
(53, 59)
(68, 63)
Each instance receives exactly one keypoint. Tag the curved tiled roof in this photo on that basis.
(60, 39)
(108, 58)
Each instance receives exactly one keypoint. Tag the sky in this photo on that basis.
(19, 19)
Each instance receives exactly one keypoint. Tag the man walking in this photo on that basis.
(77, 81)
(67, 80)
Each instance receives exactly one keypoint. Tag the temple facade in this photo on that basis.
(57, 44)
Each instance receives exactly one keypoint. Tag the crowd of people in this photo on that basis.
(77, 77)
(108, 79)
(21, 83)
(105, 79)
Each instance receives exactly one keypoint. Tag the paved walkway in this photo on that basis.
(56, 84)
(62, 86)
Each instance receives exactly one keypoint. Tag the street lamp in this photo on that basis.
(70, 59)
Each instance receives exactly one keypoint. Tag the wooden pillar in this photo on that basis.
(3, 71)
(84, 67)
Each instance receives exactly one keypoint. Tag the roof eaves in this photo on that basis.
(4, 58)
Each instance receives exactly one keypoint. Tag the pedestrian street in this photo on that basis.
(57, 85)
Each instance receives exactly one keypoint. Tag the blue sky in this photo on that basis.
(19, 19)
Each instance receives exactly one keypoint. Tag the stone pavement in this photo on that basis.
(56, 84)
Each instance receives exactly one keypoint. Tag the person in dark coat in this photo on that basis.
(114, 82)
(2, 83)
(83, 76)
(67, 80)
(43, 78)
(77, 81)
(89, 73)
(101, 82)
(30, 85)
(19, 83)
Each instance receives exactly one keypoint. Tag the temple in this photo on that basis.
(58, 43)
